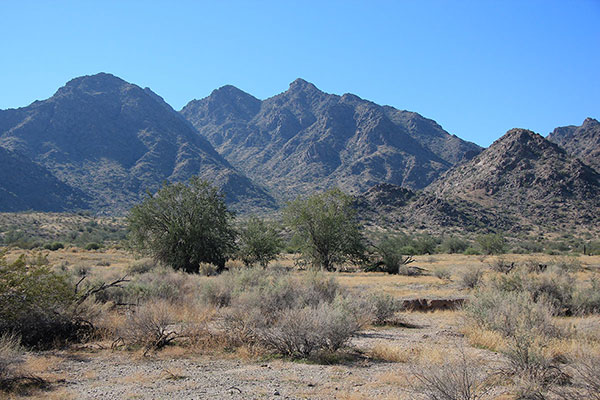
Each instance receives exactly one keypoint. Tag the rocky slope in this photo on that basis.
(304, 140)
(115, 141)
(387, 205)
(25, 185)
(528, 177)
(581, 141)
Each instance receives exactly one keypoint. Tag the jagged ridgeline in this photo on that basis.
(101, 143)
(522, 182)
(304, 140)
(111, 141)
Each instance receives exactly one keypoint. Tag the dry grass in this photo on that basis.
(393, 353)
(432, 349)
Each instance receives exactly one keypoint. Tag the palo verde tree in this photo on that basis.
(259, 242)
(325, 228)
(184, 225)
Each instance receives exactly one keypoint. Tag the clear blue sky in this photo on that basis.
(479, 68)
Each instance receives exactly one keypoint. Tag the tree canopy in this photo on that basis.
(184, 225)
(326, 228)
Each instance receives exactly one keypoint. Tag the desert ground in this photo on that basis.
(384, 361)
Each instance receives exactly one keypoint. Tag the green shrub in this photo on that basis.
(492, 243)
(425, 244)
(37, 304)
(54, 246)
(454, 244)
(93, 246)
(470, 251)
(391, 256)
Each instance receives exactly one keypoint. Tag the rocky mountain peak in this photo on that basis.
(590, 122)
(114, 141)
(300, 85)
(527, 175)
(100, 82)
(581, 141)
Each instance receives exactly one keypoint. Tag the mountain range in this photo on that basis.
(101, 143)
(304, 140)
(114, 141)
(522, 182)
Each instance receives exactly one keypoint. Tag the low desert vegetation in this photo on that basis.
(202, 282)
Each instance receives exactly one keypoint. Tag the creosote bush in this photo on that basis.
(37, 304)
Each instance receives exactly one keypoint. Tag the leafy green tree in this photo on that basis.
(259, 242)
(184, 225)
(326, 229)
(492, 243)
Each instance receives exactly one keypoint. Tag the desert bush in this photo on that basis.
(502, 265)
(591, 248)
(141, 266)
(526, 327)
(301, 332)
(292, 315)
(93, 246)
(510, 313)
(11, 357)
(442, 273)
(555, 289)
(425, 244)
(534, 369)
(391, 256)
(37, 303)
(567, 264)
(471, 278)
(471, 251)
(158, 284)
(534, 265)
(382, 307)
(459, 379)
(586, 371)
(149, 326)
(207, 269)
(586, 299)
(54, 246)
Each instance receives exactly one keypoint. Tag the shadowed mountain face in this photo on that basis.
(25, 185)
(581, 141)
(529, 177)
(115, 141)
(304, 140)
